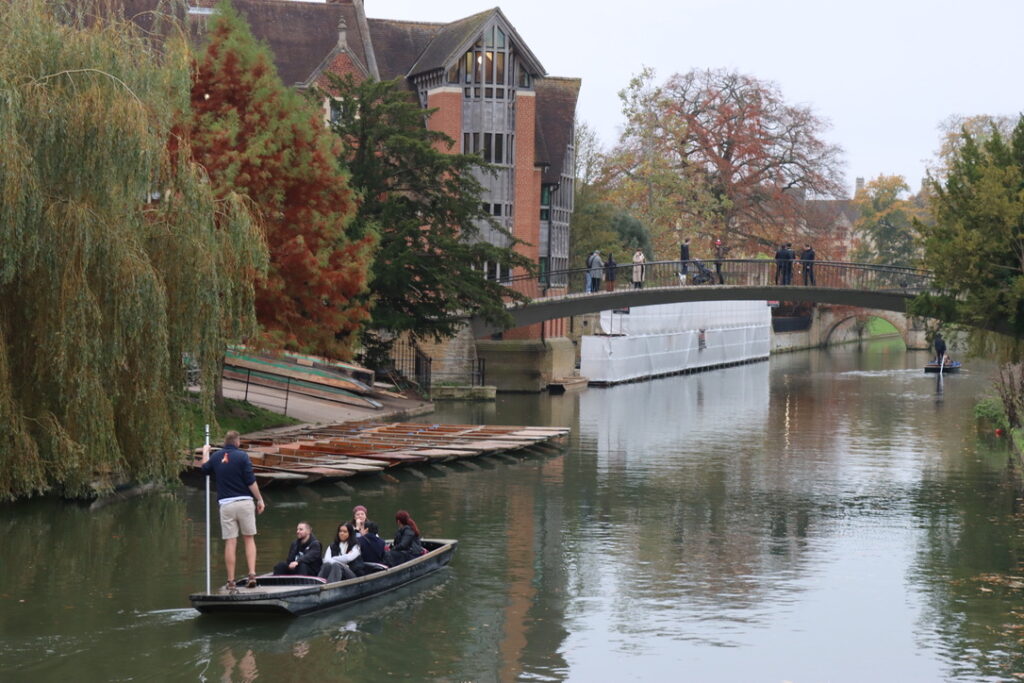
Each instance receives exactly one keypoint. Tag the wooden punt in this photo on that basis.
(326, 474)
(296, 595)
(948, 368)
(385, 458)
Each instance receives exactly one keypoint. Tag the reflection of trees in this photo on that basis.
(75, 567)
(970, 566)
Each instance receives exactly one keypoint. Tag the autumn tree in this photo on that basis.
(886, 225)
(975, 246)
(425, 204)
(951, 136)
(113, 265)
(717, 153)
(263, 140)
(597, 223)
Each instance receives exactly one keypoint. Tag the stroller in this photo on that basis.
(703, 276)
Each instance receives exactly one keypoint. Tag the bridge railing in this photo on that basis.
(742, 272)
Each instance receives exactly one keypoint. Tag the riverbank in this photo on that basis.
(314, 412)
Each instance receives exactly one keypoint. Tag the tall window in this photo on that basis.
(486, 70)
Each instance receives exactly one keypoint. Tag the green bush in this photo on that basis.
(990, 410)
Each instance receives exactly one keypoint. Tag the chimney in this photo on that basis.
(859, 186)
(342, 33)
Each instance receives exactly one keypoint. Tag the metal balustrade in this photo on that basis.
(735, 272)
(563, 293)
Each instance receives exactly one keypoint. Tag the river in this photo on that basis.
(825, 516)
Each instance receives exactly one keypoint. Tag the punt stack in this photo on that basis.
(330, 454)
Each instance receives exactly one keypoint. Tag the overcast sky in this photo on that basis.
(884, 73)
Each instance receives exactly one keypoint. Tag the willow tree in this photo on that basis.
(113, 269)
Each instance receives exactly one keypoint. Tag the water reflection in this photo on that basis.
(724, 526)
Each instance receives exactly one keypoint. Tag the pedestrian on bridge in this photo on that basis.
(807, 257)
(640, 269)
(610, 269)
(595, 271)
(780, 261)
(684, 260)
(788, 256)
(720, 251)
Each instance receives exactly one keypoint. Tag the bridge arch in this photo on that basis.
(912, 333)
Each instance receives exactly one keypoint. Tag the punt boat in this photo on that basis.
(952, 366)
(295, 595)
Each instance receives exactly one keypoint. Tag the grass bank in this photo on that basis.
(241, 416)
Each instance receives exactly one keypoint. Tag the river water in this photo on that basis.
(825, 516)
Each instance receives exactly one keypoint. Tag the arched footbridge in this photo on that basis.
(561, 294)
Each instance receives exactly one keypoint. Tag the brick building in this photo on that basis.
(492, 95)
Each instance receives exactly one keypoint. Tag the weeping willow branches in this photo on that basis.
(102, 289)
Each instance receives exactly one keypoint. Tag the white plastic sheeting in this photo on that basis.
(672, 338)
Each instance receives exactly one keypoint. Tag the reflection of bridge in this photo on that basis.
(561, 294)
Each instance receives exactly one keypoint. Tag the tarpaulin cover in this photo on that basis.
(671, 338)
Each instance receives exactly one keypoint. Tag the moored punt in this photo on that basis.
(319, 473)
(333, 452)
(295, 595)
(193, 476)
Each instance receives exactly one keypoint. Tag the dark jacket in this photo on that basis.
(609, 269)
(407, 540)
(684, 252)
(309, 553)
(371, 548)
(235, 476)
(807, 256)
(405, 547)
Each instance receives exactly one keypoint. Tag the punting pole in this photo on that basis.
(207, 479)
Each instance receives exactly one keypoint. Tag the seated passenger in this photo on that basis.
(304, 555)
(371, 548)
(358, 520)
(341, 559)
(406, 545)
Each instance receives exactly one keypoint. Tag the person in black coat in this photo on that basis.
(940, 348)
(304, 556)
(780, 260)
(788, 256)
(406, 545)
(807, 257)
(684, 259)
(372, 549)
(610, 271)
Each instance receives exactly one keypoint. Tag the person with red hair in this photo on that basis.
(406, 545)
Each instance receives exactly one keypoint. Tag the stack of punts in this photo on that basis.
(330, 454)
(303, 375)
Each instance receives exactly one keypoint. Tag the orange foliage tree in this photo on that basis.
(715, 153)
(260, 139)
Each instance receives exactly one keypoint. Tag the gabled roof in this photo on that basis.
(302, 35)
(397, 44)
(556, 111)
(456, 38)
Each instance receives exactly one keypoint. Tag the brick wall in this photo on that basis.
(448, 117)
